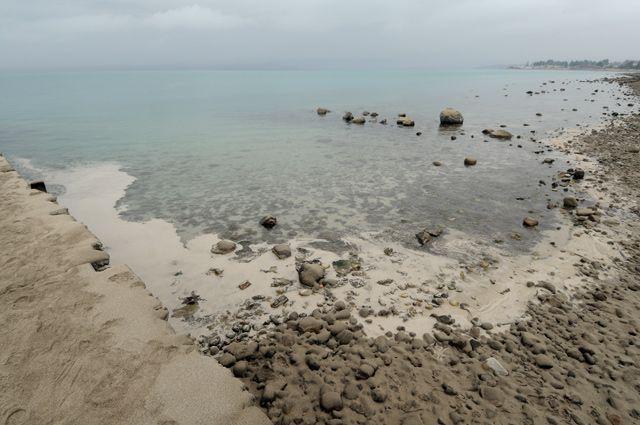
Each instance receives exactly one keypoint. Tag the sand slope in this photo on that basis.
(85, 347)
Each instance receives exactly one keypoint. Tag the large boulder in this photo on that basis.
(310, 274)
(358, 120)
(450, 116)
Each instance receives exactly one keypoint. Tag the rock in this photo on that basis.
(223, 247)
(239, 369)
(38, 185)
(268, 221)
(423, 237)
(282, 251)
(469, 161)
(358, 120)
(310, 274)
(569, 202)
(383, 121)
(330, 401)
(405, 122)
(498, 134)
(227, 359)
(497, 368)
(578, 174)
(492, 395)
(437, 163)
(543, 361)
(585, 212)
(310, 324)
(529, 222)
(348, 116)
(365, 371)
(281, 300)
(322, 111)
(450, 116)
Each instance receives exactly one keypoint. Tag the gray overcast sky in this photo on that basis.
(45, 34)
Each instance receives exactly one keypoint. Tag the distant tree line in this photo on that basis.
(587, 64)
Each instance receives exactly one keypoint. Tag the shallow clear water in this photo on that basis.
(215, 151)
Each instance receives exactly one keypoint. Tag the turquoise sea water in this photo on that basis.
(213, 151)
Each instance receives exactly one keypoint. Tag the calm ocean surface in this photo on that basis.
(215, 151)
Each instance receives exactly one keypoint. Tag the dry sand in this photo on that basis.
(86, 347)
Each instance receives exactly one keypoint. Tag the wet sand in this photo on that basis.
(81, 346)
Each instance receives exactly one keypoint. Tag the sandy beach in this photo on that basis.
(81, 346)
(378, 333)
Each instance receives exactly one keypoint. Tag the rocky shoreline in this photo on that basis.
(572, 358)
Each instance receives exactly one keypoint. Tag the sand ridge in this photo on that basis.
(87, 347)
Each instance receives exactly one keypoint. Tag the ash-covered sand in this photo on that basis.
(572, 358)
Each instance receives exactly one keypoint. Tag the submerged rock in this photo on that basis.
(269, 221)
(450, 116)
(498, 134)
(348, 116)
(322, 111)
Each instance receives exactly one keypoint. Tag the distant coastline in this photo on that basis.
(581, 65)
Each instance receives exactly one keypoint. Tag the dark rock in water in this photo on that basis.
(269, 221)
(358, 120)
(310, 274)
(578, 174)
(383, 121)
(402, 115)
(419, 133)
(548, 161)
(365, 113)
(348, 116)
(529, 222)
(223, 247)
(322, 111)
(282, 250)
(38, 185)
(424, 237)
(498, 134)
(374, 114)
(450, 116)
(405, 122)
(469, 161)
(570, 202)
(437, 163)
(453, 137)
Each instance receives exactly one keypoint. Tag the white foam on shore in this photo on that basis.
(490, 284)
